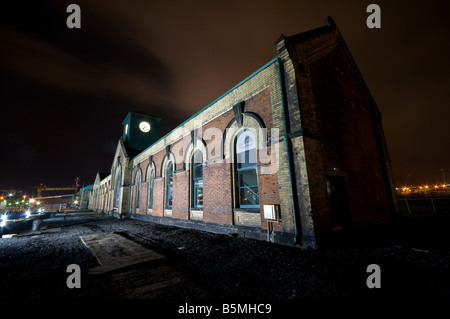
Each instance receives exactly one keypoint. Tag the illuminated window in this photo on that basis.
(150, 192)
(197, 179)
(138, 191)
(169, 185)
(246, 171)
(118, 178)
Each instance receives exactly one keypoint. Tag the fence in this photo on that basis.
(424, 205)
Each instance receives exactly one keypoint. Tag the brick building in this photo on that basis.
(292, 153)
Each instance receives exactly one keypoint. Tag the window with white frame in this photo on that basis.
(150, 188)
(169, 185)
(138, 190)
(197, 179)
(118, 178)
(247, 192)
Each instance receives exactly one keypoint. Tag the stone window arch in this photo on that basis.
(137, 185)
(117, 185)
(168, 170)
(246, 170)
(151, 182)
(196, 179)
(249, 122)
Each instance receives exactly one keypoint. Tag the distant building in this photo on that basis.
(85, 195)
(99, 193)
(57, 202)
(292, 153)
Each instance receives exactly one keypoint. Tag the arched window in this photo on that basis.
(246, 170)
(118, 179)
(197, 179)
(138, 190)
(150, 188)
(169, 185)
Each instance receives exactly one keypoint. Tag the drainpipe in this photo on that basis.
(288, 151)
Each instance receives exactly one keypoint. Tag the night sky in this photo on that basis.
(65, 92)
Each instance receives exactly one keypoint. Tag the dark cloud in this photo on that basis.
(65, 92)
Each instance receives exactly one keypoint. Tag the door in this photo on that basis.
(338, 199)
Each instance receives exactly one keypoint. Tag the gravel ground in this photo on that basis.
(414, 262)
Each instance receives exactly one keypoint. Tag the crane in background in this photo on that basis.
(42, 188)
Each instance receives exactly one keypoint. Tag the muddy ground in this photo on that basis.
(413, 256)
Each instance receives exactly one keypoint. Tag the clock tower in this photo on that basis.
(140, 130)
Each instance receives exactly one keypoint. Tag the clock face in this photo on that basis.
(144, 126)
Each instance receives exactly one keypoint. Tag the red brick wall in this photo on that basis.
(268, 193)
(178, 150)
(217, 176)
(212, 143)
(217, 192)
(180, 207)
(158, 197)
(157, 159)
(143, 198)
(268, 183)
(260, 104)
